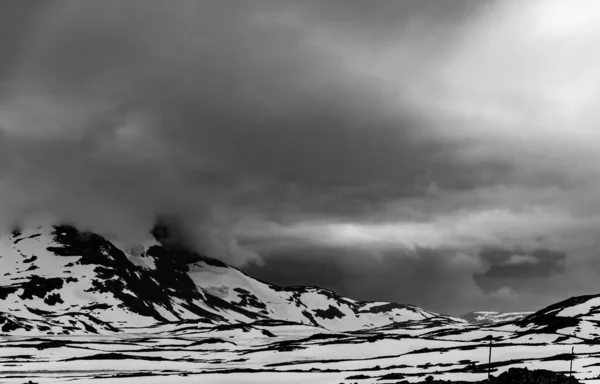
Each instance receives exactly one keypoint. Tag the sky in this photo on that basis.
(431, 152)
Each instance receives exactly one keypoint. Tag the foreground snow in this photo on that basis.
(294, 353)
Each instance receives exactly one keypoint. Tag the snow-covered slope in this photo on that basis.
(575, 320)
(307, 305)
(51, 271)
(58, 275)
(490, 317)
(577, 317)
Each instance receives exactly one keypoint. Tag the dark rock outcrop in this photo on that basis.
(519, 376)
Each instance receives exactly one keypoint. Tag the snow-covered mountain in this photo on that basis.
(60, 280)
(491, 317)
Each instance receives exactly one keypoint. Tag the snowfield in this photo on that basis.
(298, 354)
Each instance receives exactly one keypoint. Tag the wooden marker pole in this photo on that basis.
(490, 362)
(572, 357)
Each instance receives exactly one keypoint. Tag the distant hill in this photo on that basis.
(490, 317)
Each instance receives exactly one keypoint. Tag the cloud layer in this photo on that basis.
(353, 133)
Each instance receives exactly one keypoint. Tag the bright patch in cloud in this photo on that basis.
(521, 259)
(457, 230)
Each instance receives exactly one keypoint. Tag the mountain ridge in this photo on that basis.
(54, 270)
(58, 280)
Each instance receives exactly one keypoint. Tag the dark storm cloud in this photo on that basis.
(15, 19)
(515, 263)
(121, 111)
(329, 133)
(520, 270)
(385, 20)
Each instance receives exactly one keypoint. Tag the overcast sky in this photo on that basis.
(442, 153)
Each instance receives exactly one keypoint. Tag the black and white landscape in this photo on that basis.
(299, 191)
(77, 308)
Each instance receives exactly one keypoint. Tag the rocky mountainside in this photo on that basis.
(58, 280)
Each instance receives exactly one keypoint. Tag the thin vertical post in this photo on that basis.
(571, 365)
(490, 362)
